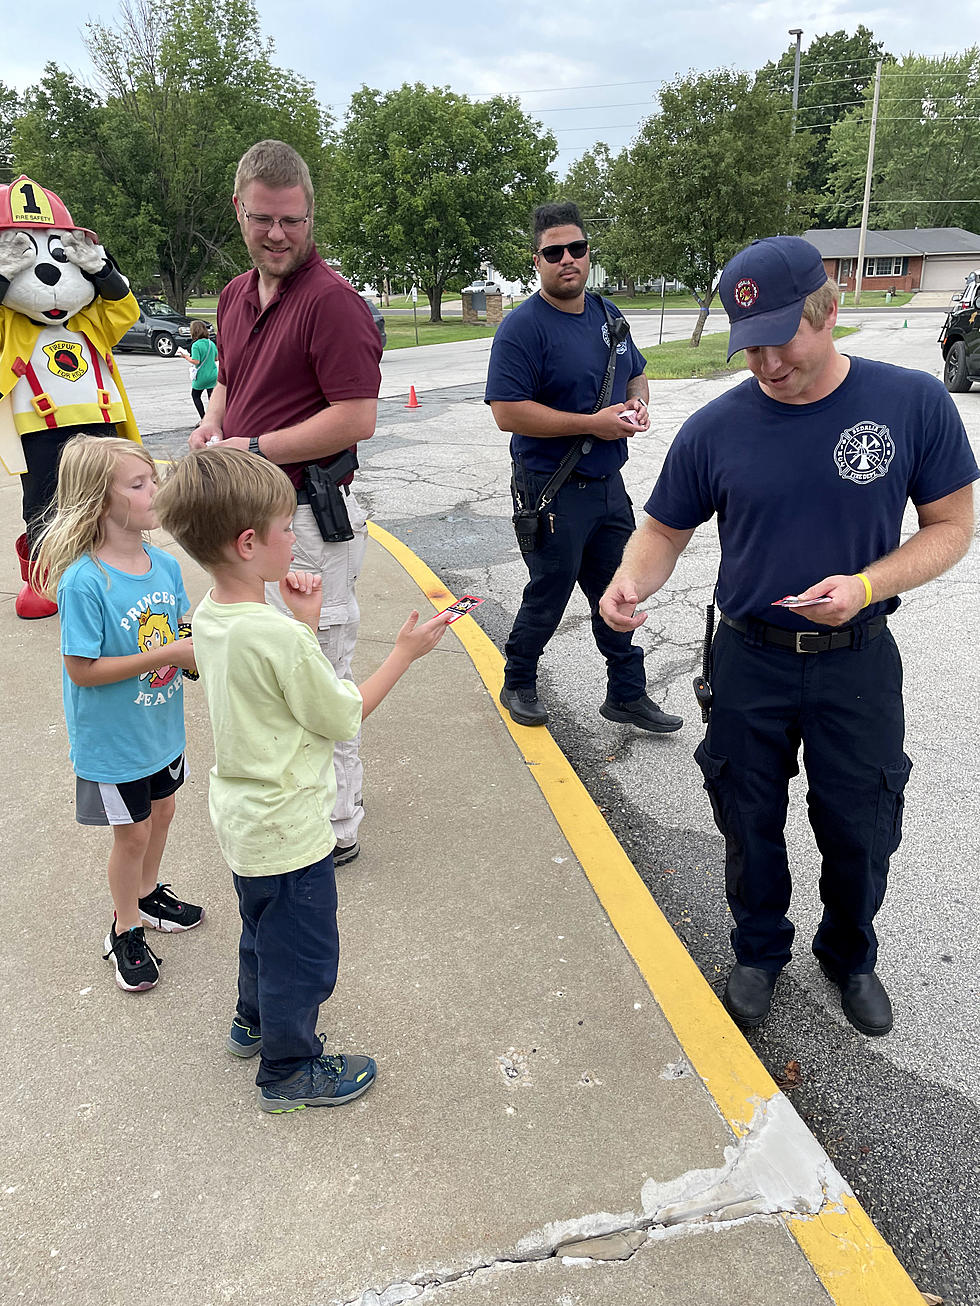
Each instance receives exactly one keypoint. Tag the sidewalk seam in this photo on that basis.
(853, 1262)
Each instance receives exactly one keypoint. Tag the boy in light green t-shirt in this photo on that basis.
(276, 708)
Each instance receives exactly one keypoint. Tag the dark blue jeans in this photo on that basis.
(287, 961)
(845, 707)
(581, 541)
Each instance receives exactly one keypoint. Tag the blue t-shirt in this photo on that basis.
(135, 727)
(804, 491)
(559, 360)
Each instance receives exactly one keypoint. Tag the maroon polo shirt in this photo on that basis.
(315, 343)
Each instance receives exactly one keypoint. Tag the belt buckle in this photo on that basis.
(806, 634)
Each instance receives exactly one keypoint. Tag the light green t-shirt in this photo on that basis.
(276, 707)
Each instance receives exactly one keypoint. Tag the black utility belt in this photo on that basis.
(810, 641)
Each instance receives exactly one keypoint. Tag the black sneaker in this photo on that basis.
(161, 911)
(643, 713)
(344, 853)
(137, 966)
(523, 706)
(325, 1081)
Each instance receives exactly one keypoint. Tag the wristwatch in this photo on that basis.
(253, 445)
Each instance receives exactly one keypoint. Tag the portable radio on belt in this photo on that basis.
(702, 686)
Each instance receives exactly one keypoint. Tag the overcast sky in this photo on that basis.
(589, 72)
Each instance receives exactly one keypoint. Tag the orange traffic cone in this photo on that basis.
(413, 399)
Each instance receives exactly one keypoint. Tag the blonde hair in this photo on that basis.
(276, 165)
(86, 470)
(818, 304)
(212, 495)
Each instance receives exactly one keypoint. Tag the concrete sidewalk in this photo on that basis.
(564, 1114)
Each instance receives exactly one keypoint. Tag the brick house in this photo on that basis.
(920, 258)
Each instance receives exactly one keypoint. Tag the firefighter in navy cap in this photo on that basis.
(63, 305)
(809, 465)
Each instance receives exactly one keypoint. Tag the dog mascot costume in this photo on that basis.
(63, 305)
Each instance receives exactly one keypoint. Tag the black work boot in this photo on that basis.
(864, 1001)
(748, 994)
(643, 713)
(523, 706)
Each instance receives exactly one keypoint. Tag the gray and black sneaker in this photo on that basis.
(243, 1040)
(345, 852)
(137, 966)
(325, 1081)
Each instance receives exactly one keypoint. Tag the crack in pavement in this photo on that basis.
(776, 1168)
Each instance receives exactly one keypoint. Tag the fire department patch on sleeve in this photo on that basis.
(65, 359)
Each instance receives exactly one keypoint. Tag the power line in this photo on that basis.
(577, 108)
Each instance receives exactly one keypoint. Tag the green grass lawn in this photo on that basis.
(401, 332)
(875, 299)
(677, 361)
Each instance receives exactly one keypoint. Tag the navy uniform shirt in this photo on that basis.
(559, 360)
(804, 491)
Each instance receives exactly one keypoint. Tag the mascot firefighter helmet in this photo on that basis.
(26, 205)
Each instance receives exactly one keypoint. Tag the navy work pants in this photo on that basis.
(845, 707)
(581, 541)
(287, 962)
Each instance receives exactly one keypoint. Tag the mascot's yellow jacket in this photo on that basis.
(104, 322)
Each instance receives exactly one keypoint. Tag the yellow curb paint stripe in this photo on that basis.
(846, 1251)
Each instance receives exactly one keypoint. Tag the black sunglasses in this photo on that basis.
(555, 253)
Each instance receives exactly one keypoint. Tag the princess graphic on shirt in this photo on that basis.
(155, 631)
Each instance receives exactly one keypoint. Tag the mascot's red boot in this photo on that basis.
(29, 604)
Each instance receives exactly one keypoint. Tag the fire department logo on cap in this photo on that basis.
(746, 292)
(864, 452)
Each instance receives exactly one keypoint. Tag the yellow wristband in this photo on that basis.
(867, 588)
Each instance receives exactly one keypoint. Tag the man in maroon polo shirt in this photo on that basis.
(298, 379)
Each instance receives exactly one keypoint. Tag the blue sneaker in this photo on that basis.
(243, 1040)
(325, 1081)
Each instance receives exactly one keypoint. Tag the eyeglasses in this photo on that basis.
(261, 222)
(555, 253)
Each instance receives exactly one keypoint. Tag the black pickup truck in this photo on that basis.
(960, 339)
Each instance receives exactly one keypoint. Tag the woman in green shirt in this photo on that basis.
(204, 353)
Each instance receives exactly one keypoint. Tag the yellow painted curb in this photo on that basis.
(850, 1257)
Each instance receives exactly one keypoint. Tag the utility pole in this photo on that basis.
(797, 32)
(862, 238)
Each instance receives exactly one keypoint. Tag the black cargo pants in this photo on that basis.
(845, 707)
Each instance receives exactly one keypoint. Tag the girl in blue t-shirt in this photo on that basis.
(121, 602)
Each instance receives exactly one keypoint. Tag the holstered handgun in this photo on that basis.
(327, 501)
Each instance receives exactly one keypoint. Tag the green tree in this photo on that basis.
(926, 147)
(9, 112)
(429, 185)
(835, 70)
(185, 86)
(589, 183)
(706, 175)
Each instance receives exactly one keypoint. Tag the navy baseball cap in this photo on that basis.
(763, 289)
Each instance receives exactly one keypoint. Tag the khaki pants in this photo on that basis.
(339, 565)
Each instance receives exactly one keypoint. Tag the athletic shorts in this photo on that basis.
(99, 803)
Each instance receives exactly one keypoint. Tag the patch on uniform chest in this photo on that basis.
(864, 452)
(65, 359)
